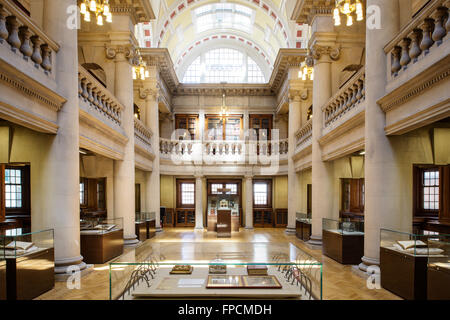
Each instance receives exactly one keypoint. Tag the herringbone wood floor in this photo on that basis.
(339, 282)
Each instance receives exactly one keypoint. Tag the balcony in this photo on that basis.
(27, 60)
(100, 117)
(144, 153)
(417, 71)
(218, 152)
(303, 137)
(344, 118)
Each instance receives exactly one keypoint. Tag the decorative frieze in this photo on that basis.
(318, 51)
(138, 10)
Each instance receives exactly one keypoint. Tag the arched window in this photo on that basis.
(224, 65)
(224, 16)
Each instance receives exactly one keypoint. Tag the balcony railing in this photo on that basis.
(102, 102)
(303, 136)
(424, 33)
(25, 38)
(221, 150)
(143, 134)
(346, 99)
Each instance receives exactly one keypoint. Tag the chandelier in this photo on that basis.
(99, 8)
(224, 109)
(140, 70)
(348, 8)
(306, 72)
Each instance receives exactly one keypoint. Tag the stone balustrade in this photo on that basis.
(347, 98)
(91, 91)
(218, 148)
(424, 33)
(303, 134)
(25, 38)
(142, 133)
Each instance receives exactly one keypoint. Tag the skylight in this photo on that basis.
(224, 65)
(224, 16)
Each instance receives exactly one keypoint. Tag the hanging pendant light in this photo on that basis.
(348, 8)
(100, 8)
(140, 70)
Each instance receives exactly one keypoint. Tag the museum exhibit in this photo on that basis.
(220, 150)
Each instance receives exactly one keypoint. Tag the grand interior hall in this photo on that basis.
(209, 150)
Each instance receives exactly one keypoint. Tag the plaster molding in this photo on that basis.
(306, 10)
(19, 81)
(319, 51)
(128, 51)
(138, 10)
(92, 145)
(338, 131)
(343, 151)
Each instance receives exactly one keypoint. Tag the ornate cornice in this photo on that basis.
(413, 88)
(286, 58)
(305, 10)
(31, 88)
(138, 10)
(160, 58)
(229, 89)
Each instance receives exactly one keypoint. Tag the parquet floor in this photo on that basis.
(339, 282)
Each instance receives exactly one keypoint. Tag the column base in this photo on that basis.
(199, 228)
(367, 262)
(159, 229)
(249, 228)
(61, 265)
(130, 242)
(290, 230)
(315, 243)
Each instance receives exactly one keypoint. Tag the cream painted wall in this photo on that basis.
(305, 178)
(141, 178)
(168, 193)
(280, 192)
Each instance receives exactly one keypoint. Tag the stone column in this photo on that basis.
(153, 198)
(322, 175)
(248, 202)
(293, 190)
(199, 202)
(124, 170)
(383, 189)
(61, 203)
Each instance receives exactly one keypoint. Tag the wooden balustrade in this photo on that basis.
(97, 96)
(426, 31)
(25, 37)
(348, 97)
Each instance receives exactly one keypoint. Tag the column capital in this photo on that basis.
(322, 53)
(248, 177)
(148, 94)
(198, 175)
(126, 52)
(295, 95)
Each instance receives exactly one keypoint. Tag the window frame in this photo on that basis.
(224, 125)
(179, 183)
(25, 185)
(418, 191)
(268, 182)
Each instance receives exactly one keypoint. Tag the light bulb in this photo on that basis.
(93, 6)
(349, 21)
(312, 76)
(109, 17)
(304, 77)
(147, 74)
(87, 16)
(134, 73)
(106, 9)
(100, 20)
(336, 12)
(346, 8)
(83, 8)
(300, 74)
(337, 21)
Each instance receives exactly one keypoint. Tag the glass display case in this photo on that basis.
(303, 226)
(141, 225)
(26, 264)
(213, 270)
(438, 275)
(343, 240)
(101, 239)
(404, 258)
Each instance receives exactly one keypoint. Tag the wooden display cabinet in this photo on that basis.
(141, 230)
(263, 218)
(188, 122)
(281, 218)
(404, 274)
(303, 230)
(185, 217)
(438, 283)
(345, 249)
(27, 277)
(102, 247)
(224, 224)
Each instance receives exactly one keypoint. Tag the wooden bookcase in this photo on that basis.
(187, 122)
